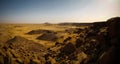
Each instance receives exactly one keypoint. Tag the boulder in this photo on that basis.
(79, 42)
(68, 49)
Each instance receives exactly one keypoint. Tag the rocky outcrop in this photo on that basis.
(23, 44)
(40, 31)
(112, 54)
(48, 37)
(78, 43)
(20, 50)
(68, 49)
(114, 27)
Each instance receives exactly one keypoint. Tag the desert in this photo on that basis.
(64, 43)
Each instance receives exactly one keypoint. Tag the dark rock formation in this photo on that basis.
(78, 30)
(112, 54)
(67, 39)
(98, 25)
(74, 30)
(78, 43)
(48, 37)
(40, 31)
(68, 49)
(114, 27)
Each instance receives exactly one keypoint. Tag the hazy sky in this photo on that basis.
(40, 11)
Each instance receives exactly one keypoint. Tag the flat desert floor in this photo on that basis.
(12, 30)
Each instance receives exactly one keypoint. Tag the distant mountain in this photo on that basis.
(76, 24)
(81, 24)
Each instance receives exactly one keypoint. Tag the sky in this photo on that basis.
(57, 11)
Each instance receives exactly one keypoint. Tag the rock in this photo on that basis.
(26, 60)
(1, 59)
(79, 42)
(67, 39)
(68, 49)
(74, 30)
(114, 27)
(40, 31)
(24, 44)
(57, 43)
(81, 57)
(111, 56)
(98, 25)
(91, 33)
(20, 50)
(78, 30)
(20, 61)
(36, 61)
(48, 37)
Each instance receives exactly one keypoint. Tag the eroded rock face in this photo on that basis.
(114, 27)
(112, 54)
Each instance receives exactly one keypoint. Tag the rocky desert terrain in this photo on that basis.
(64, 43)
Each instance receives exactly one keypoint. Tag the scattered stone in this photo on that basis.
(67, 39)
(20, 43)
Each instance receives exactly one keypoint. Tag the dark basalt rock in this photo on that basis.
(67, 39)
(79, 42)
(68, 49)
(78, 30)
(48, 37)
(74, 30)
(40, 31)
(98, 25)
(114, 27)
(112, 54)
